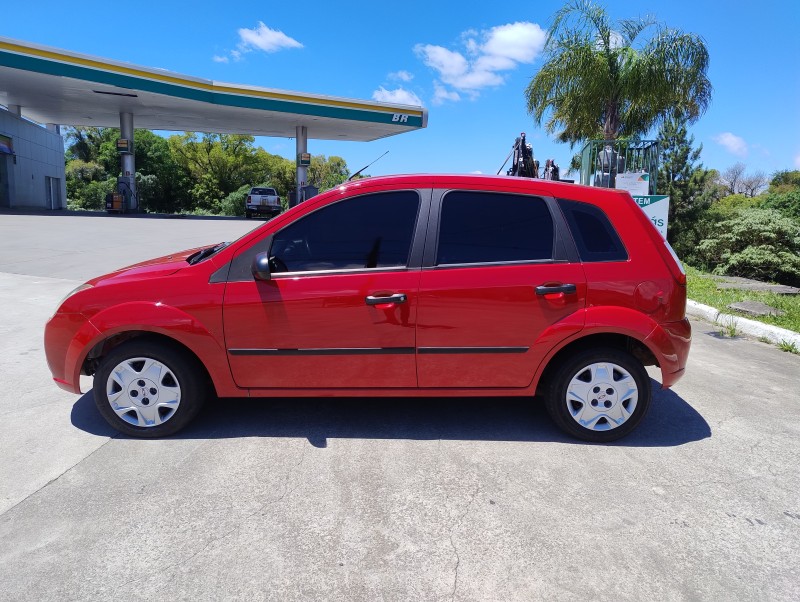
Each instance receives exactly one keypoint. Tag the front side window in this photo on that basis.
(486, 227)
(370, 231)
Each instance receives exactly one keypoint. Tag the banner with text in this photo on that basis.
(656, 207)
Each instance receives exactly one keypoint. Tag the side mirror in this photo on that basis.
(260, 267)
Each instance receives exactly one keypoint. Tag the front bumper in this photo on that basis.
(66, 337)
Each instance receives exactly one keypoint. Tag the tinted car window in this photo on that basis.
(593, 233)
(264, 191)
(371, 231)
(485, 227)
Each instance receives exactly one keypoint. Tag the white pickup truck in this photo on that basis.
(262, 201)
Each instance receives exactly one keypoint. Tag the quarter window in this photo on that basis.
(593, 233)
(485, 227)
(370, 231)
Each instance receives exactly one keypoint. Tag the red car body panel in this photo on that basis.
(311, 333)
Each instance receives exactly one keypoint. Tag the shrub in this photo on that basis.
(233, 204)
(788, 203)
(90, 196)
(755, 243)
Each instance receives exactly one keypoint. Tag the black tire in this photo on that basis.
(248, 214)
(567, 411)
(182, 376)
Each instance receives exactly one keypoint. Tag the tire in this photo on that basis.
(149, 389)
(598, 395)
(248, 214)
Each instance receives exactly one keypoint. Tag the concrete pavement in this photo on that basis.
(365, 499)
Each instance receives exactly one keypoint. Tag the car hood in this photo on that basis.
(160, 266)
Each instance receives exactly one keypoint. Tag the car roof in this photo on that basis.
(482, 181)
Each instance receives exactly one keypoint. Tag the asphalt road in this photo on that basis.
(372, 499)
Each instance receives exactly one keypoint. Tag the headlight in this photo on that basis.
(77, 289)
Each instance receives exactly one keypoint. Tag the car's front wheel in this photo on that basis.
(149, 389)
(599, 395)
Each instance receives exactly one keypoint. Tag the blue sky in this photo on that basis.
(467, 62)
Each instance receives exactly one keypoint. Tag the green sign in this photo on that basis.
(656, 207)
(649, 199)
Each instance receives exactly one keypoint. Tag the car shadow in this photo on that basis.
(671, 421)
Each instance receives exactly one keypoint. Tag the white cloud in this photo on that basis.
(797, 161)
(490, 52)
(520, 41)
(732, 143)
(259, 38)
(266, 39)
(403, 76)
(397, 96)
(442, 94)
(477, 172)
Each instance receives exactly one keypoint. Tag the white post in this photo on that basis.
(127, 161)
(302, 147)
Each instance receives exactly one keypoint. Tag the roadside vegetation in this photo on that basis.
(702, 287)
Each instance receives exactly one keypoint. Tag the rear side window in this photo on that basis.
(366, 232)
(593, 233)
(485, 227)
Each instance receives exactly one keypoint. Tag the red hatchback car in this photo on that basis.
(424, 285)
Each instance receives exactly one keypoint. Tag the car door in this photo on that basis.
(339, 310)
(495, 276)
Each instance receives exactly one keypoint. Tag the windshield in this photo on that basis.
(264, 191)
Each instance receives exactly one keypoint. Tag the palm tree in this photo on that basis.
(595, 82)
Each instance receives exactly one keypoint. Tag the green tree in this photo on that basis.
(686, 182)
(785, 181)
(599, 80)
(327, 172)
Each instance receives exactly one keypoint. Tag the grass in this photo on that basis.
(788, 347)
(703, 289)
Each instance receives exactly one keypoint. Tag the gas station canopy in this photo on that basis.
(56, 86)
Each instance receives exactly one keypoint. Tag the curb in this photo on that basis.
(773, 334)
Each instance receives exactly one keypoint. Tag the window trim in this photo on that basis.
(414, 258)
(563, 251)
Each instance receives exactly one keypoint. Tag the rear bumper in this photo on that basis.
(264, 209)
(672, 341)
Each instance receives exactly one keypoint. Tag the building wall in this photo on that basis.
(39, 155)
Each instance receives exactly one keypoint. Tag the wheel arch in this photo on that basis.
(171, 325)
(613, 340)
(105, 346)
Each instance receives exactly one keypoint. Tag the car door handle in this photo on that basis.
(396, 298)
(567, 289)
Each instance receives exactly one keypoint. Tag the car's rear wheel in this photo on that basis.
(248, 214)
(149, 389)
(599, 395)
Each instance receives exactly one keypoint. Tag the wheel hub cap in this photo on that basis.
(602, 396)
(143, 391)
